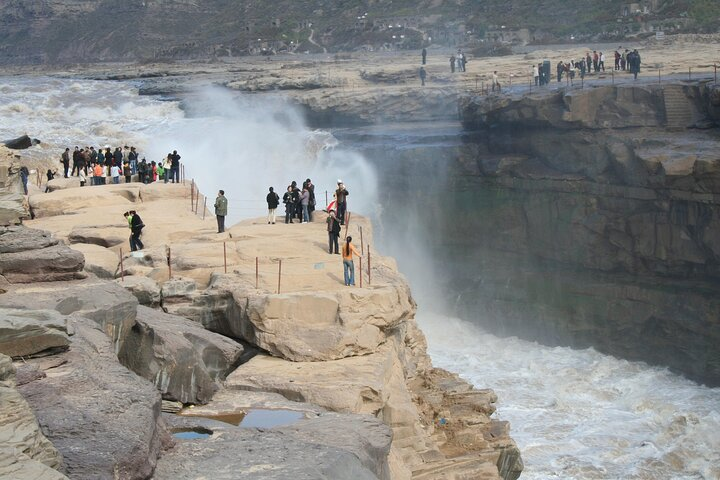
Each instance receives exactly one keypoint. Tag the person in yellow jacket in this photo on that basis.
(348, 264)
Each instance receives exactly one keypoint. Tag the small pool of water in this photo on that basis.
(191, 433)
(259, 418)
(264, 418)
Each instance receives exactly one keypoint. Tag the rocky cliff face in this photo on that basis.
(593, 219)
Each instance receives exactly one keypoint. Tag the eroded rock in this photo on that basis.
(181, 358)
(103, 419)
(24, 333)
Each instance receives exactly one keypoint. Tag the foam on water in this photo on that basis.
(579, 414)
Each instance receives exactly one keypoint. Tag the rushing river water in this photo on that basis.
(576, 414)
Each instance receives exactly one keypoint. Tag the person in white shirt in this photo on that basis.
(536, 74)
(601, 65)
(115, 174)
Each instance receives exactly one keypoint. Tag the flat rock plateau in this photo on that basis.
(97, 342)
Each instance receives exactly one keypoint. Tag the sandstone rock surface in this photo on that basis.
(354, 448)
(25, 333)
(183, 360)
(103, 419)
(102, 235)
(25, 453)
(29, 255)
(146, 290)
(99, 261)
(108, 304)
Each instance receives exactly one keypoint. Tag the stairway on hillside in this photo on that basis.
(678, 110)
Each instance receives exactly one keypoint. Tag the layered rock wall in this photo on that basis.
(599, 208)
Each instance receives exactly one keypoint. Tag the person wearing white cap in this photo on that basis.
(341, 198)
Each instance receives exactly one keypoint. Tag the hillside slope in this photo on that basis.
(61, 31)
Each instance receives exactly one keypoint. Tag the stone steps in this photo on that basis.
(678, 111)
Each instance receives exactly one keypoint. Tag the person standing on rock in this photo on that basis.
(221, 210)
(333, 229)
(65, 160)
(495, 81)
(289, 204)
(341, 198)
(536, 74)
(273, 200)
(304, 202)
(311, 190)
(452, 63)
(423, 76)
(424, 55)
(75, 156)
(348, 265)
(634, 61)
(132, 161)
(115, 174)
(175, 167)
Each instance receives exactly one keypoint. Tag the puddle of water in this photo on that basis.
(191, 433)
(262, 418)
(259, 418)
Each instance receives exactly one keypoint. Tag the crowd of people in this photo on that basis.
(591, 63)
(300, 205)
(624, 60)
(105, 165)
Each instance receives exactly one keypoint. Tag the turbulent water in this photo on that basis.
(575, 414)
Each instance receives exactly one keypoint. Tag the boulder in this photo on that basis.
(12, 208)
(178, 288)
(99, 261)
(20, 143)
(104, 420)
(24, 447)
(62, 183)
(19, 238)
(182, 359)
(54, 263)
(350, 385)
(108, 304)
(327, 446)
(305, 326)
(102, 235)
(145, 289)
(28, 332)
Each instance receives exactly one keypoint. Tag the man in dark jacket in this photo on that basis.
(341, 198)
(175, 167)
(65, 159)
(75, 156)
(136, 225)
(273, 200)
(308, 185)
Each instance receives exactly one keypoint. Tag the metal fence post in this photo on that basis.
(257, 273)
(279, 274)
(122, 269)
(225, 256)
